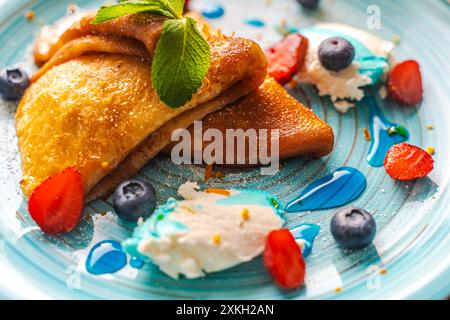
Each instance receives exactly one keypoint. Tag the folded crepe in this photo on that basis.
(270, 107)
(92, 105)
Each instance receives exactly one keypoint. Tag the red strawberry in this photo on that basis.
(284, 260)
(56, 205)
(186, 5)
(407, 162)
(286, 57)
(405, 83)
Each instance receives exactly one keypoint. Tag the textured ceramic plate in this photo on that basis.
(410, 255)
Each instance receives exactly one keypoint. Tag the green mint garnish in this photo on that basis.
(182, 56)
(275, 203)
(181, 60)
(398, 130)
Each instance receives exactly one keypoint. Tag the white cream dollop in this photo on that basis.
(206, 232)
(345, 86)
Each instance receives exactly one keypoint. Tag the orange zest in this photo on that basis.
(220, 191)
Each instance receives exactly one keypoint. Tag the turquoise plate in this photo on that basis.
(410, 255)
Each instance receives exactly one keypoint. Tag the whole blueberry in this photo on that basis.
(353, 228)
(336, 53)
(309, 4)
(13, 83)
(134, 199)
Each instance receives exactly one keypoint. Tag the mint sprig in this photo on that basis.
(182, 57)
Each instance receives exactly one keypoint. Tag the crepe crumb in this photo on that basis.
(430, 150)
(105, 165)
(338, 289)
(30, 15)
(208, 172)
(366, 134)
(396, 39)
(383, 271)
(430, 127)
(219, 175)
(72, 8)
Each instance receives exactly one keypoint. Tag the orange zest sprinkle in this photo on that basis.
(245, 214)
(220, 191)
(30, 15)
(216, 239)
(430, 150)
(366, 134)
(189, 209)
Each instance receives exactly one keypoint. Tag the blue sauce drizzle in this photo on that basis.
(253, 197)
(136, 263)
(334, 190)
(369, 64)
(258, 23)
(308, 233)
(106, 257)
(158, 225)
(213, 11)
(384, 133)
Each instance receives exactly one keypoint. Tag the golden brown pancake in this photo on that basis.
(93, 104)
(271, 107)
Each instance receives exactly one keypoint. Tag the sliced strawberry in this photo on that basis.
(286, 57)
(56, 205)
(284, 260)
(407, 162)
(186, 5)
(405, 83)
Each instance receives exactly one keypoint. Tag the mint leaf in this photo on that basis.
(181, 61)
(111, 12)
(177, 5)
(401, 130)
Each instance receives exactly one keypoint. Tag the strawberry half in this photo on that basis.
(186, 5)
(286, 57)
(57, 203)
(407, 162)
(405, 83)
(283, 259)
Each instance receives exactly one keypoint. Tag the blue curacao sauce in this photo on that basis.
(308, 233)
(258, 23)
(369, 64)
(137, 263)
(106, 257)
(213, 11)
(158, 225)
(384, 133)
(334, 190)
(253, 197)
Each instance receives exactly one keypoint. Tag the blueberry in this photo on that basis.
(134, 199)
(13, 83)
(336, 53)
(309, 4)
(353, 228)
